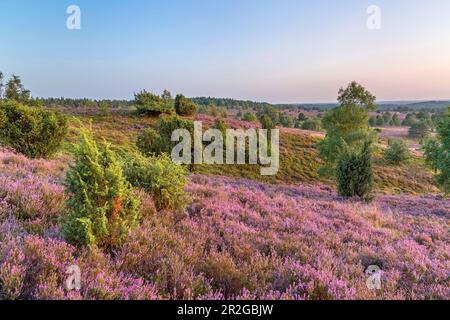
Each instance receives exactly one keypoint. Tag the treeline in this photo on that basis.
(83, 103)
(230, 103)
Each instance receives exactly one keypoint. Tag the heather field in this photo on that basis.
(218, 159)
(237, 239)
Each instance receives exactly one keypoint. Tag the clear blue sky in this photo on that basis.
(265, 50)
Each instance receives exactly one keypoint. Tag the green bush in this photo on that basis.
(397, 153)
(437, 153)
(312, 125)
(184, 106)
(102, 206)
(267, 123)
(150, 104)
(35, 132)
(152, 143)
(419, 130)
(354, 173)
(249, 117)
(149, 142)
(160, 177)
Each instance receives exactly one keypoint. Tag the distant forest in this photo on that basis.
(431, 106)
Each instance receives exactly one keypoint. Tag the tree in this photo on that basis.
(409, 120)
(148, 103)
(249, 117)
(358, 95)
(347, 126)
(167, 96)
(379, 121)
(15, 90)
(396, 120)
(267, 123)
(104, 108)
(184, 106)
(419, 130)
(397, 153)
(312, 125)
(1, 85)
(387, 117)
(286, 121)
(354, 173)
(301, 117)
(102, 206)
(437, 153)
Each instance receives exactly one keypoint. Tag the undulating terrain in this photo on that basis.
(242, 236)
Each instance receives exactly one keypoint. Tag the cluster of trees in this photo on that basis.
(151, 104)
(230, 103)
(386, 119)
(83, 103)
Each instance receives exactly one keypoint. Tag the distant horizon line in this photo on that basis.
(396, 101)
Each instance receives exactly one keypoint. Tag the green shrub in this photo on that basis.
(102, 205)
(35, 132)
(150, 104)
(184, 106)
(149, 142)
(160, 177)
(267, 123)
(249, 117)
(437, 153)
(354, 173)
(312, 125)
(397, 153)
(152, 143)
(419, 130)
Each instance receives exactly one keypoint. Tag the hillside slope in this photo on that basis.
(237, 239)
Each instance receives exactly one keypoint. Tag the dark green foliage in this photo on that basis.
(154, 143)
(272, 113)
(15, 90)
(102, 206)
(150, 104)
(409, 120)
(437, 153)
(301, 117)
(355, 94)
(1, 85)
(184, 106)
(396, 120)
(249, 117)
(397, 153)
(354, 173)
(312, 125)
(35, 132)
(347, 125)
(160, 177)
(104, 109)
(286, 121)
(419, 130)
(267, 123)
(148, 142)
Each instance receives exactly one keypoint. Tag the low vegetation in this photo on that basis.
(33, 131)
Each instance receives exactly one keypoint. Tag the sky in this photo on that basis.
(279, 51)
